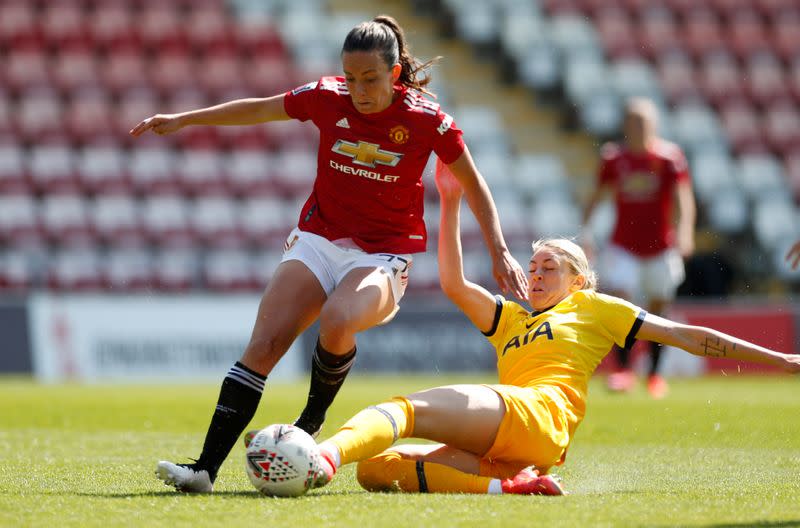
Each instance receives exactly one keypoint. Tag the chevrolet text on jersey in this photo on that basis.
(364, 173)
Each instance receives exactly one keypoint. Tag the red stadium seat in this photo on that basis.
(124, 69)
(175, 270)
(746, 33)
(793, 174)
(18, 27)
(766, 81)
(786, 35)
(295, 171)
(172, 71)
(703, 34)
(200, 172)
(742, 125)
(88, 117)
(720, 79)
(229, 272)
(16, 271)
(153, 170)
(677, 78)
(39, 116)
(52, 169)
(658, 34)
(266, 221)
(65, 220)
(159, 26)
(64, 24)
(257, 37)
(19, 219)
(111, 26)
(75, 68)
(266, 75)
(215, 220)
(75, 270)
(128, 270)
(102, 169)
(208, 29)
(13, 174)
(116, 221)
(249, 173)
(220, 72)
(25, 69)
(782, 127)
(617, 33)
(166, 222)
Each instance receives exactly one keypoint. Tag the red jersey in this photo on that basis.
(644, 191)
(369, 166)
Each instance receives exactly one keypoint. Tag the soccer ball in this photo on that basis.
(282, 461)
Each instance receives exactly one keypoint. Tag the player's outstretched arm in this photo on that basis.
(507, 271)
(478, 304)
(239, 112)
(707, 342)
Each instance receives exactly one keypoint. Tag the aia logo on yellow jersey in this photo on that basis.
(399, 134)
(367, 154)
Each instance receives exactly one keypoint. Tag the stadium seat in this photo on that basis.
(742, 124)
(266, 221)
(88, 116)
(13, 174)
(658, 34)
(424, 275)
(25, 69)
(128, 270)
(786, 35)
(176, 270)
(793, 174)
(538, 174)
(713, 172)
(219, 73)
(173, 70)
(229, 271)
(775, 221)
(16, 274)
(166, 221)
(116, 221)
(65, 220)
(74, 69)
(728, 212)
(677, 78)
(617, 33)
(153, 170)
(18, 25)
(249, 172)
(635, 78)
(159, 27)
(696, 126)
(720, 79)
(761, 174)
(111, 27)
(52, 168)
(102, 169)
(554, 218)
(295, 171)
(39, 116)
(19, 220)
(216, 222)
(74, 270)
(703, 33)
(782, 127)
(208, 30)
(600, 114)
(63, 24)
(199, 172)
(123, 68)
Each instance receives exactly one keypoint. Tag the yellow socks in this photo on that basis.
(373, 430)
(391, 472)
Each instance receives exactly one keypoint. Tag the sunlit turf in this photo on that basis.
(719, 451)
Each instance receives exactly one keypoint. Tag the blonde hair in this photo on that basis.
(572, 254)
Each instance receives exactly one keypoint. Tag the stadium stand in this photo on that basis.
(83, 206)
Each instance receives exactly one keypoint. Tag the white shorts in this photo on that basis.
(331, 261)
(642, 278)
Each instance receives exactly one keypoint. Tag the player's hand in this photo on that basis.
(446, 183)
(793, 256)
(160, 124)
(510, 276)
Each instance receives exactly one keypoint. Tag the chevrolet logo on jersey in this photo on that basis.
(367, 154)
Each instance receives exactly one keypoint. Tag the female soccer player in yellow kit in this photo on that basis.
(505, 438)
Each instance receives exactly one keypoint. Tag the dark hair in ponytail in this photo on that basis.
(384, 34)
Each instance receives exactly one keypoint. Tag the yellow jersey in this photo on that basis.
(562, 346)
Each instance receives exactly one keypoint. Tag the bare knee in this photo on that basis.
(262, 354)
(337, 323)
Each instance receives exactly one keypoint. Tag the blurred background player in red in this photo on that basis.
(793, 256)
(643, 262)
(347, 263)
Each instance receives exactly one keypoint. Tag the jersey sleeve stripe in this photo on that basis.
(631, 339)
(498, 311)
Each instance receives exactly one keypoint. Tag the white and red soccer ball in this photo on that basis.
(282, 461)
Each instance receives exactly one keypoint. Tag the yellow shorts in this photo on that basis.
(534, 431)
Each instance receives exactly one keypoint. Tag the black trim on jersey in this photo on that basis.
(423, 482)
(635, 329)
(497, 312)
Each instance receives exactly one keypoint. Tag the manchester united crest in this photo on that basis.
(399, 134)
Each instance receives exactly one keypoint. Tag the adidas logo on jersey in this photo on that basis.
(343, 123)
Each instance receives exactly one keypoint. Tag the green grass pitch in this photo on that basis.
(722, 451)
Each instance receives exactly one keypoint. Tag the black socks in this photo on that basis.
(238, 400)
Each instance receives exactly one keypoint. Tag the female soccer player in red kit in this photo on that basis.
(348, 261)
